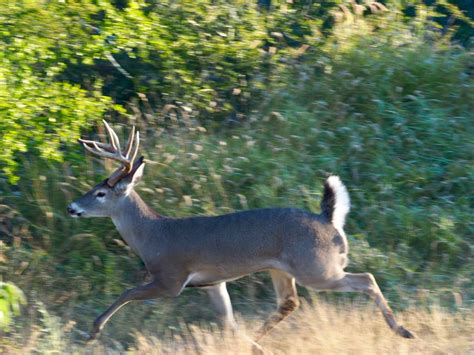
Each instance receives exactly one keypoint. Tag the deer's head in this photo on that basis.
(105, 197)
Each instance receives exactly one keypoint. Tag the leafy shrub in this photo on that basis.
(11, 298)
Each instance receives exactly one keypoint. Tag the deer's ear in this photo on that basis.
(133, 177)
(136, 174)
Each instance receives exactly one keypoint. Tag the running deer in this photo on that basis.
(293, 245)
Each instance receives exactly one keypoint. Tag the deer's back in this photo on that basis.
(250, 241)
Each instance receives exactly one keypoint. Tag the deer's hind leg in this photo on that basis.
(365, 283)
(287, 300)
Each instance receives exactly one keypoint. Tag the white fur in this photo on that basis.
(342, 205)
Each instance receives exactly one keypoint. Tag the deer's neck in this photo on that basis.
(133, 219)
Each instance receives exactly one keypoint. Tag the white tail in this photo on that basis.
(295, 246)
(342, 203)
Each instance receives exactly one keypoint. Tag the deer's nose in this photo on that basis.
(71, 210)
(74, 210)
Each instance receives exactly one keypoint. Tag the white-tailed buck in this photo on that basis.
(293, 245)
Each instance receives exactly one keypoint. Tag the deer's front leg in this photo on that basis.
(145, 292)
(221, 301)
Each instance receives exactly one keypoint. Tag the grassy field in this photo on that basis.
(384, 107)
(352, 327)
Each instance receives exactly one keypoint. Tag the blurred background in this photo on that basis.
(240, 104)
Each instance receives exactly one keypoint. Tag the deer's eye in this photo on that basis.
(100, 194)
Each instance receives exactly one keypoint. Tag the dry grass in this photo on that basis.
(329, 329)
(321, 329)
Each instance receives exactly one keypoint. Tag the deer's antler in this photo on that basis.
(113, 151)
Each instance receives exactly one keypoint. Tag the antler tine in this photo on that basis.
(113, 151)
(97, 151)
(85, 144)
(113, 136)
(105, 154)
(130, 142)
(137, 144)
(126, 168)
(100, 145)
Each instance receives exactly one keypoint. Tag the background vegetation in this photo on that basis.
(240, 105)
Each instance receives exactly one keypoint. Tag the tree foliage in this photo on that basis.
(67, 64)
(40, 110)
(11, 298)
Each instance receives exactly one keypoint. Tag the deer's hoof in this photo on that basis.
(405, 333)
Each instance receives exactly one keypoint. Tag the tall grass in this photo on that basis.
(323, 328)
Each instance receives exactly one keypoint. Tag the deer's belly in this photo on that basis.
(206, 279)
(209, 276)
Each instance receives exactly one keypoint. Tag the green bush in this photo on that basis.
(11, 298)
